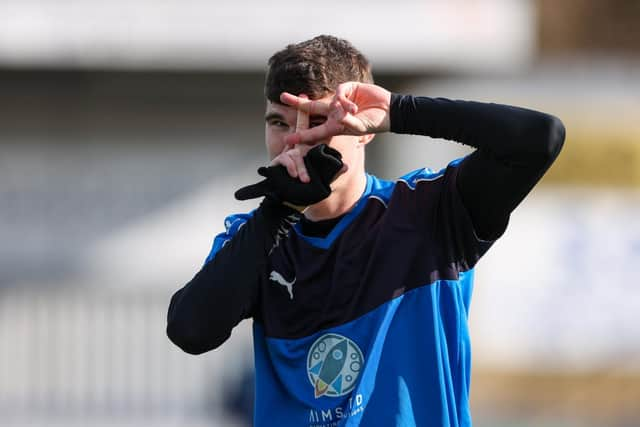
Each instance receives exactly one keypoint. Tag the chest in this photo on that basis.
(306, 288)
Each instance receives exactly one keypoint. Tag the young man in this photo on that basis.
(360, 304)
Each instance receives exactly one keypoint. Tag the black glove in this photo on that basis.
(322, 163)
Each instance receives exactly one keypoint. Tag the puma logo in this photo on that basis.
(277, 277)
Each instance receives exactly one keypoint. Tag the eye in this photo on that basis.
(278, 124)
(317, 122)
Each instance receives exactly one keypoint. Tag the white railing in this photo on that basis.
(86, 353)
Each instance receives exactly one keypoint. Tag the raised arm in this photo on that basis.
(515, 146)
(225, 291)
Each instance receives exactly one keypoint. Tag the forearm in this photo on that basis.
(511, 133)
(225, 291)
(515, 147)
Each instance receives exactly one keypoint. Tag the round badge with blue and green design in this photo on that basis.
(334, 364)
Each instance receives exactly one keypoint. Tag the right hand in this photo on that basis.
(356, 109)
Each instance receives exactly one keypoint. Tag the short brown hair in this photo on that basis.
(315, 67)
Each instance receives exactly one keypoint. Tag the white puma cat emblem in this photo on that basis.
(277, 277)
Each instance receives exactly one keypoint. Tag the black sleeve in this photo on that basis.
(515, 146)
(225, 291)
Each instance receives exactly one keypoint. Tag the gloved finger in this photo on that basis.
(325, 161)
(253, 191)
(327, 151)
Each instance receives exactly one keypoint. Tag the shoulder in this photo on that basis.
(413, 178)
(232, 224)
(420, 182)
(384, 190)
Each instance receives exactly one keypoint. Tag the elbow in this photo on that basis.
(181, 337)
(191, 341)
(546, 138)
(556, 133)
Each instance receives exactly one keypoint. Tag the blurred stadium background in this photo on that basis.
(125, 127)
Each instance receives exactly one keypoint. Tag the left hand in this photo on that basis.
(356, 109)
(323, 164)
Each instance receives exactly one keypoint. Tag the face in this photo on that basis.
(280, 121)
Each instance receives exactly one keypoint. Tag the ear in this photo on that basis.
(365, 139)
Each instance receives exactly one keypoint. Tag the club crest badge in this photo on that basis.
(334, 363)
